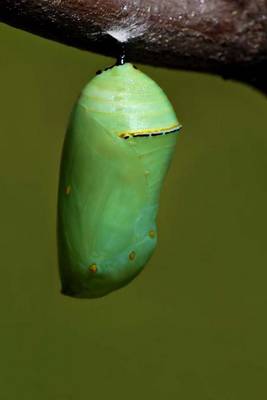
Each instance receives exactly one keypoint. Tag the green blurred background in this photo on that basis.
(193, 325)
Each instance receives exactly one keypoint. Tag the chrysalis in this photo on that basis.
(118, 147)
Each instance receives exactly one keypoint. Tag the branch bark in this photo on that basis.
(225, 37)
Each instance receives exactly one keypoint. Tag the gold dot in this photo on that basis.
(152, 233)
(132, 255)
(93, 268)
(67, 189)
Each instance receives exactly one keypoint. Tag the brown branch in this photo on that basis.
(226, 37)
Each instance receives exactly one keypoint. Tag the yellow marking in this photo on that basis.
(152, 233)
(124, 135)
(132, 255)
(146, 131)
(93, 268)
(68, 189)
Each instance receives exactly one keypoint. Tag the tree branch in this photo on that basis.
(226, 37)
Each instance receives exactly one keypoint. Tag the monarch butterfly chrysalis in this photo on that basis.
(121, 136)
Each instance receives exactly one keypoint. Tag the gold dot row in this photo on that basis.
(131, 256)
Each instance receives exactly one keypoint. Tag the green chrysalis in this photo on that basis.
(117, 150)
